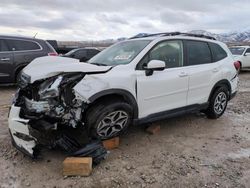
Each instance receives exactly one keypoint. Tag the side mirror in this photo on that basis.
(154, 65)
(247, 54)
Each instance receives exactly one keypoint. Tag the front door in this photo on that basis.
(163, 90)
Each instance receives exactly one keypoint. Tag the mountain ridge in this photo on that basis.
(234, 36)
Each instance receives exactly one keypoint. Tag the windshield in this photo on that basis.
(237, 50)
(120, 53)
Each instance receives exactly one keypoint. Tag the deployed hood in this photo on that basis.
(44, 67)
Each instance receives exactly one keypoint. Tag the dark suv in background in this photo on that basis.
(17, 52)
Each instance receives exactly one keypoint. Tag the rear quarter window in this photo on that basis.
(22, 45)
(218, 52)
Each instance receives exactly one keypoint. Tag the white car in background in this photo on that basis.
(242, 55)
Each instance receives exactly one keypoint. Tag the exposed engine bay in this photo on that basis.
(52, 99)
(53, 111)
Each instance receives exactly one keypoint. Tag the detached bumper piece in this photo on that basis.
(20, 134)
(29, 136)
(95, 150)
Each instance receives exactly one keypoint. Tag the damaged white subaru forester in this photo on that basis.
(136, 81)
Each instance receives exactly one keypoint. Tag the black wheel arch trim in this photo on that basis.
(221, 83)
(20, 66)
(125, 94)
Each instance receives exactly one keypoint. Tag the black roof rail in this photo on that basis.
(174, 34)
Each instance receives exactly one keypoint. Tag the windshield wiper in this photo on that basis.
(99, 64)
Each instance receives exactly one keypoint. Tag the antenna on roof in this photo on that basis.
(35, 35)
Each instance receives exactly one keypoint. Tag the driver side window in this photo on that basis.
(171, 52)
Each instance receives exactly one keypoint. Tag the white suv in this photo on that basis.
(136, 81)
(242, 55)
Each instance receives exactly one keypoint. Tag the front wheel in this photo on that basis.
(107, 120)
(218, 103)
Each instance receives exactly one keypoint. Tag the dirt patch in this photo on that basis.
(189, 151)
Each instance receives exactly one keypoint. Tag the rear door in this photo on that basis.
(6, 63)
(202, 70)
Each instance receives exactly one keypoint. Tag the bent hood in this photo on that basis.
(44, 67)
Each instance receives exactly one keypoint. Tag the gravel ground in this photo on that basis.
(189, 151)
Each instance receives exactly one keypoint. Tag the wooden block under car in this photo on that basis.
(153, 129)
(111, 143)
(77, 166)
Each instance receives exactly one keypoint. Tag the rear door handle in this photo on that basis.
(183, 74)
(5, 59)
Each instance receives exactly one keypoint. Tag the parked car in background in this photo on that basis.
(17, 52)
(242, 55)
(136, 81)
(83, 54)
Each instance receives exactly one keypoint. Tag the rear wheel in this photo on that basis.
(218, 103)
(107, 120)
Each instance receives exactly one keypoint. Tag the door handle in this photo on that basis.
(5, 59)
(183, 74)
(215, 70)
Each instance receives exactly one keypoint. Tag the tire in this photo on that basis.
(108, 120)
(218, 103)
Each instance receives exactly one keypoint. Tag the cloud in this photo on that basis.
(95, 19)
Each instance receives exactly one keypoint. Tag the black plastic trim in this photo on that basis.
(127, 95)
(171, 113)
(233, 95)
(220, 84)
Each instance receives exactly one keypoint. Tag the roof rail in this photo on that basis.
(173, 34)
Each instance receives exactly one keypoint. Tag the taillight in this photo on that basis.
(237, 65)
(53, 54)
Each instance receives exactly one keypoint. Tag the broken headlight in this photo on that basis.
(49, 88)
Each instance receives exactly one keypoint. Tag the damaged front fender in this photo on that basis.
(88, 86)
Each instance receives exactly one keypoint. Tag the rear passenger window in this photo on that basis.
(3, 46)
(22, 45)
(198, 53)
(218, 52)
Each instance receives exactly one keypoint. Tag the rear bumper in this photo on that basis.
(20, 133)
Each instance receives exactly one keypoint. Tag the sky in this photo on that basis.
(104, 19)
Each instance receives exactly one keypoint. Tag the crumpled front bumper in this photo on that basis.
(20, 133)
